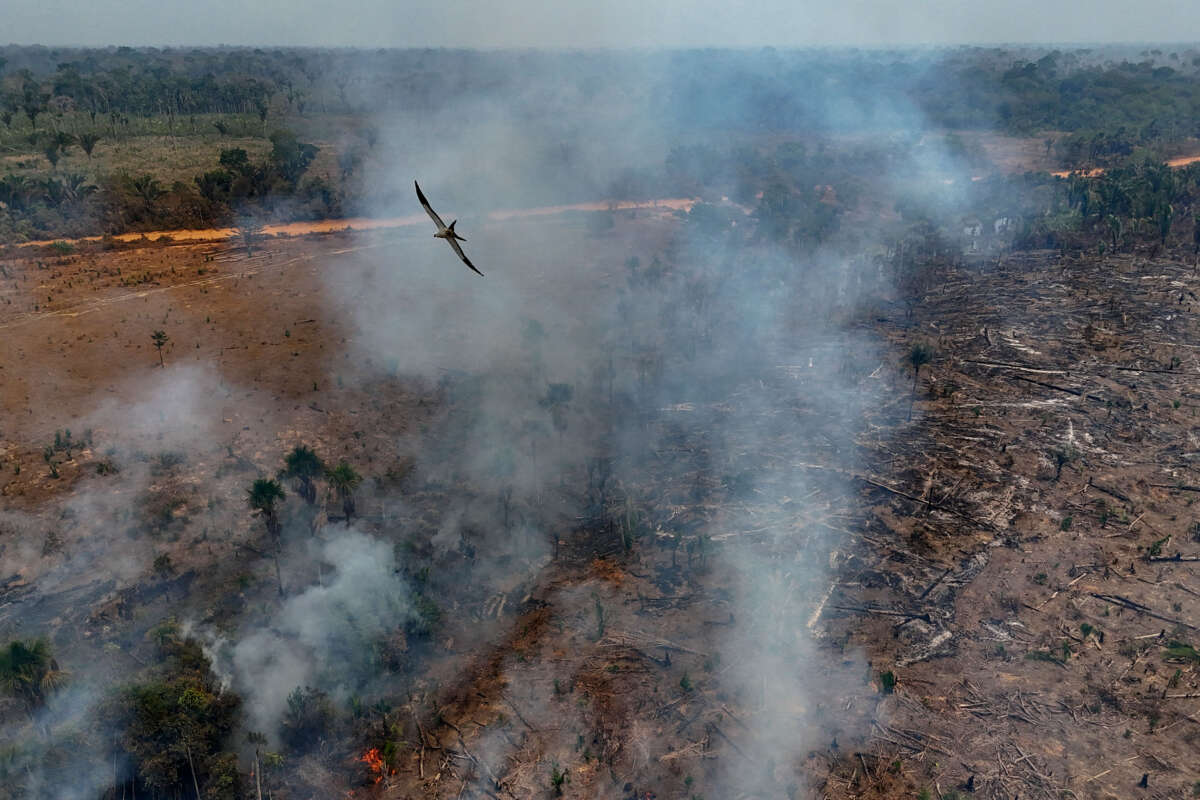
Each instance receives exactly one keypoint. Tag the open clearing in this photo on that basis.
(1006, 555)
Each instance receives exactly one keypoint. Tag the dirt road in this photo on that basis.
(366, 223)
(1173, 163)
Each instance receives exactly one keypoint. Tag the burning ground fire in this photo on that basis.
(375, 764)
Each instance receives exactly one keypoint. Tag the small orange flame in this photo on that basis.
(374, 762)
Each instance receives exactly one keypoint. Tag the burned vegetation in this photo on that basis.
(845, 475)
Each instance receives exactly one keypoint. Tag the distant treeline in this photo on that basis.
(1109, 107)
(1145, 94)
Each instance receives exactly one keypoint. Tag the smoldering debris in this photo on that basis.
(323, 637)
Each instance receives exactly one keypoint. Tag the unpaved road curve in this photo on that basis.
(367, 223)
(1173, 163)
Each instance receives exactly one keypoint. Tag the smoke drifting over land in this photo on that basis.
(713, 343)
(323, 635)
(649, 388)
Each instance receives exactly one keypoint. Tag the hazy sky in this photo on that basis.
(593, 23)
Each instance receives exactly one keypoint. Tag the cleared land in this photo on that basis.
(1016, 558)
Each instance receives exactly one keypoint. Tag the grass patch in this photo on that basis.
(1181, 651)
(1048, 656)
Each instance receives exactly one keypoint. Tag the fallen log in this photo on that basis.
(687, 721)
(1110, 492)
(1014, 366)
(1180, 373)
(1068, 390)
(939, 506)
(1133, 605)
(715, 729)
(886, 612)
(517, 711)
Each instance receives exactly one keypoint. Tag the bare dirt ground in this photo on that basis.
(1034, 651)
(1019, 556)
(1014, 153)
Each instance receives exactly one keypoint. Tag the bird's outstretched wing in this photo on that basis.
(463, 256)
(428, 210)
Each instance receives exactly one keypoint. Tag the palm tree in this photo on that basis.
(28, 671)
(75, 187)
(16, 191)
(149, 190)
(263, 494)
(918, 356)
(344, 480)
(87, 141)
(160, 339)
(303, 465)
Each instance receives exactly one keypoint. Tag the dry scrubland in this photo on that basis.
(1011, 604)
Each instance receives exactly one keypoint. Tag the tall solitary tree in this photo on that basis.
(343, 480)
(264, 493)
(52, 153)
(556, 401)
(1116, 228)
(262, 496)
(33, 101)
(918, 356)
(304, 466)
(160, 340)
(1164, 215)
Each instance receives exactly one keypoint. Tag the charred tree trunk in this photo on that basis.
(192, 767)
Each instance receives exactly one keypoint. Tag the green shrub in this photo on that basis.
(307, 719)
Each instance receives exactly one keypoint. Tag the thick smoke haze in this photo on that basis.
(737, 349)
(321, 635)
(623, 23)
(663, 363)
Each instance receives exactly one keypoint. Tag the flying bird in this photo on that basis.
(445, 231)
